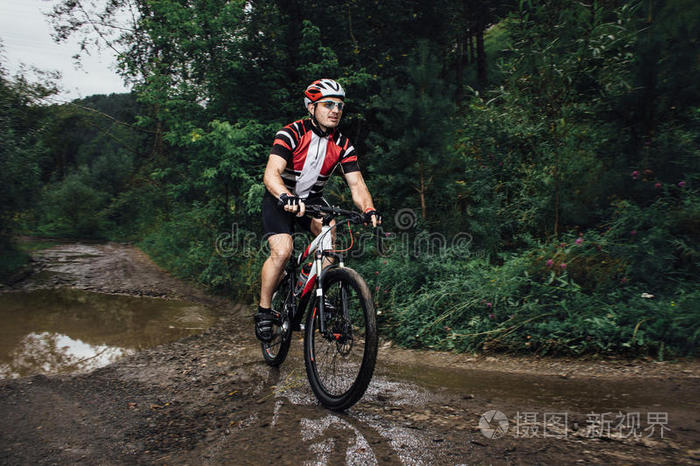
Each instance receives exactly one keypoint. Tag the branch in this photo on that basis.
(89, 109)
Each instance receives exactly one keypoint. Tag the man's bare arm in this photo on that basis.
(274, 184)
(273, 175)
(360, 194)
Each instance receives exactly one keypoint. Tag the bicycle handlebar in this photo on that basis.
(352, 217)
(333, 212)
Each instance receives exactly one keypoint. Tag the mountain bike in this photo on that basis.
(340, 329)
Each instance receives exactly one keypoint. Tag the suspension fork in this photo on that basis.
(320, 293)
(344, 300)
(318, 257)
(325, 244)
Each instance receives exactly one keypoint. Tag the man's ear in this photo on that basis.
(310, 108)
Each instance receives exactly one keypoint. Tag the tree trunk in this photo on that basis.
(422, 193)
(460, 67)
(556, 196)
(470, 41)
(480, 53)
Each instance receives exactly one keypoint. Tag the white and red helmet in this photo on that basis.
(323, 88)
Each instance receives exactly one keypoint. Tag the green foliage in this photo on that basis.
(528, 305)
(21, 154)
(72, 208)
(12, 262)
(191, 246)
(412, 134)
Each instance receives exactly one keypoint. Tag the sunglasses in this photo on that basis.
(329, 104)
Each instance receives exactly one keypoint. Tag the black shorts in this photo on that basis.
(277, 220)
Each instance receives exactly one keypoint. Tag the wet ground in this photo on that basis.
(65, 330)
(208, 398)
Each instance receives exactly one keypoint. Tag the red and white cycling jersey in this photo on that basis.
(312, 158)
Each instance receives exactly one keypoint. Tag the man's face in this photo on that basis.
(326, 117)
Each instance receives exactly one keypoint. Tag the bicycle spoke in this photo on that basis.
(340, 361)
(339, 354)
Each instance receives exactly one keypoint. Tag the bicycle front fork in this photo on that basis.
(318, 257)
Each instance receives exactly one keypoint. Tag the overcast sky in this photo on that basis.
(25, 34)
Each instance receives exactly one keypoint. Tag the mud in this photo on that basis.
(209, 398)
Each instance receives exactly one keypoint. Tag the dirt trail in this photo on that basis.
(210, 399)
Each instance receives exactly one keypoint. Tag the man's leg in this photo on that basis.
(280, 250)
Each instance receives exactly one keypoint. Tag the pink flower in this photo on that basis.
(681, 184)
(489, 305)
(579, 240)
(623, 280)
(657, 185)
(491, 316)
(633, 232)
(563, 265)
(550, 262)
(635, 175)
(562, 245)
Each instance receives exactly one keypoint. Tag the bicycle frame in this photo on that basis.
(321, 246)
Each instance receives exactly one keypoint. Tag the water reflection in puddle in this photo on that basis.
(68, 331)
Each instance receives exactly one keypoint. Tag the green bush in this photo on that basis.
(532, 303)
(13, 260)
(195, 245)
(72, 208)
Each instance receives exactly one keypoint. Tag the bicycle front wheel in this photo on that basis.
(340, 362)
(275, 352)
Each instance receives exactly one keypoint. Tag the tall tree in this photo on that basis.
(21, 153)
(411, 142)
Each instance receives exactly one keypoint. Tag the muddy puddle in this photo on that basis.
(65, 330)
(583, 395)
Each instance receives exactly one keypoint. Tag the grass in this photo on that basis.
(32, 245)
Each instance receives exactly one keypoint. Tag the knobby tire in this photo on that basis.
(275, 352)
(340, 369)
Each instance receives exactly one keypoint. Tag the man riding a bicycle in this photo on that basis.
(304, 155)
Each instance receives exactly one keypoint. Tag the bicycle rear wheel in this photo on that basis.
(275, 352)
(340, 363)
